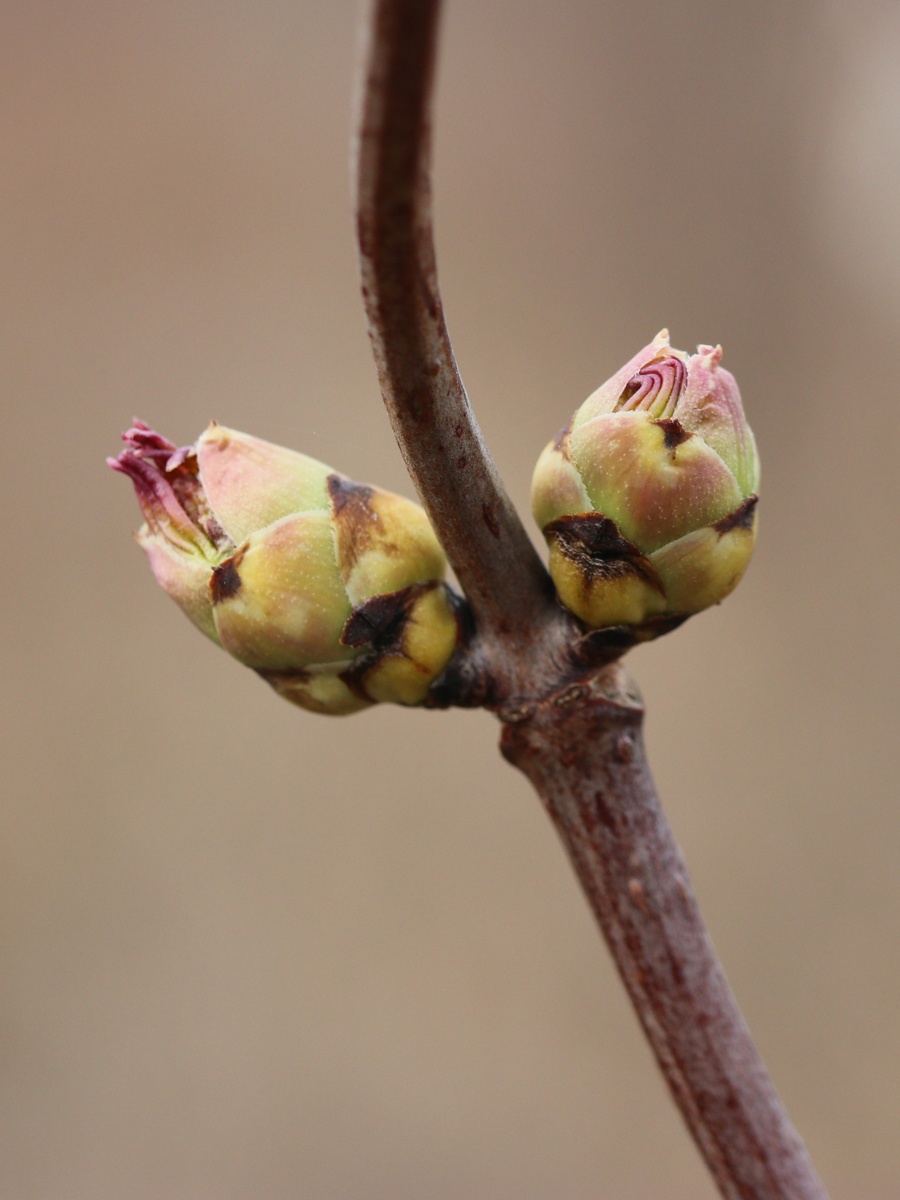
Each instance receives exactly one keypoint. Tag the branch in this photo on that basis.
(503, 578)
(571, 724)
(585, 756)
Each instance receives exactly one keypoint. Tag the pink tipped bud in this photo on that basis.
(279, 559)
(663, 457)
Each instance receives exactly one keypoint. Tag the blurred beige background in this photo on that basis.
(247, 953)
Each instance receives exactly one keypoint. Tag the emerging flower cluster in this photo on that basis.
(332, 590)
(647, 498)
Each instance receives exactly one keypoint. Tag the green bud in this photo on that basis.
(332, 590)
(647, 498)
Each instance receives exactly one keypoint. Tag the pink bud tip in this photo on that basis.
(710, 356)
(168, 489)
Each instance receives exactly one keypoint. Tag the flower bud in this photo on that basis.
(331, 590)
(647, 498)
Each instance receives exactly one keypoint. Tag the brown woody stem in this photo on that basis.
(584, 754)
(571, 723)
(502, 576)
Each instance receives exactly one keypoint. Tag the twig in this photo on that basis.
(572, 722)
(502, 576)
(584, 753)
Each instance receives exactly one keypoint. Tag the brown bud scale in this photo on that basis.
(225, 581)
(595, 543)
